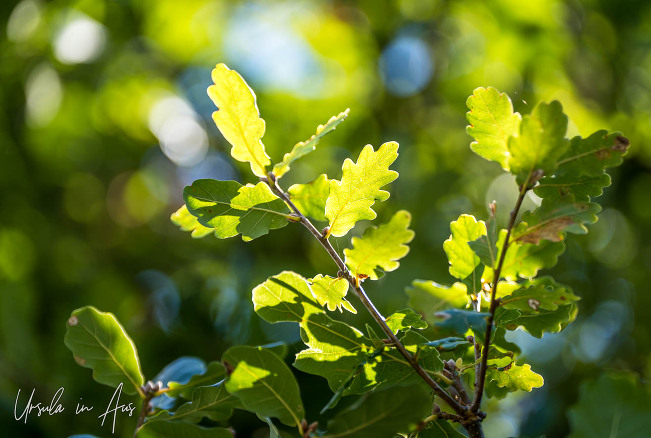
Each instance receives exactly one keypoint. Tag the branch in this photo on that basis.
(480, 378)
(359, 290)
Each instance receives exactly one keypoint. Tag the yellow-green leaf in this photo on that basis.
(305, 147)
(284, 297)
(350, 199)
(516, 377)
(238, 118)
(381, 247)
(310, 198)
(462, 258)
(187, 222)
(331, 292)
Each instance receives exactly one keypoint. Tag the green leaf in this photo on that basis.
(350, 199)
(238, 118)
(515, 378)
(590, 156)
(539, 294)
(98, 341)
(537, 323)
(187, 222)
(212, 402)
(450, 343)
(380, 247)
(163, 429)
(284, 297)
(305, 147)
(553, 218)
(615, 405)
(462, 320)
(310, 198)
(264, 384)
(405, 319)
(428, 297)
(462, 258)
(213, 374)
(492, 123)
(540, 143)
(330, 292)
(572, 187)
(440, 429)
(382, 414)
(231, 209)
(526, 259)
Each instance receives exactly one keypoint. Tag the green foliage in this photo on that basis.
(156, 429)
(379, 249)
(330, 292)
(212, 402)
(614, 405)
(285, 297)
(463, 260)
(515, 377)
(350, 199)
(405, 319)
(310, 198)
(99, 342)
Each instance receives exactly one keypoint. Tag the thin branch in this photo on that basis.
(481, 378)
(377, 316)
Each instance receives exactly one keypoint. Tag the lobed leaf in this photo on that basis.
(330, 292)
(382, 414)
(187, 222)
(590, 156)
(572, 187)
(231, 209)
(537, 323)
(284, 297)
(539, 294)
(305, 147)
(99, 342)
(515, 377)
(350, 199)
(462, 258)
(492, 123)
(238, 118)
(310, 198)
(540, 143)
(380, 248)
(405, 319)
(264, 384)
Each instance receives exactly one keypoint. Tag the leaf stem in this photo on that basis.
(480, 378)
(375, 313)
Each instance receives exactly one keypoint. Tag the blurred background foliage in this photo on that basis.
(105, 119)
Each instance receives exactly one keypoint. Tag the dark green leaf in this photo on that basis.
(590, 156)
(213, 373)
(164, 429)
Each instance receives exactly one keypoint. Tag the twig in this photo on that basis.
(480, 377)
(359, 290)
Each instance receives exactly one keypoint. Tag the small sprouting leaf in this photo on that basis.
(616, 405)
(164, 429)
(462, 320)
(540, 143)
(572, 187)
(380, 247)
(305, 147)
(213, 373)
(231, 209)
(553, 218)
(405, 319)
(350, 199)
(284, 297)
(187, 222)
(429, 297)
(98, 341)
(264, 384)
(331, 292)
(462, 258)
(492, 123)
(310, 198)
(590, 156)
(515, 377)
(542, 293)
(382, 414)
(238, 118)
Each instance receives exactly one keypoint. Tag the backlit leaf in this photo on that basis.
(380, 247)
(305, 147)
(310, 198)
(462, 258)
(99, 342)
(330, 292)
(238, 118)
(492, 122)
(231, 209)
(264, 384)
(405, 319)
(284, 297)
(515, 377)
(350, 199)
(187, 222)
